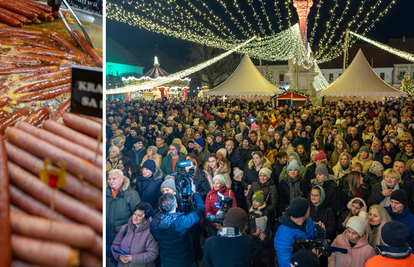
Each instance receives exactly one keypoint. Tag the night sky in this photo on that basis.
(398, 22)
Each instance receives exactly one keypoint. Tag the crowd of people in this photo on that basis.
(346, 168)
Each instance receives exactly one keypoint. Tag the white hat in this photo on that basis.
(358, 223)
(223, 152)
(261, 223)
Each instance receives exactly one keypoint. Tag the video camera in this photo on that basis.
(224, 204)
(183, 183)
(322, 244)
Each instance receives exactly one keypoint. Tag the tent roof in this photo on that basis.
(246, 80)
(156, 72)
(289, 95)
(360, 80)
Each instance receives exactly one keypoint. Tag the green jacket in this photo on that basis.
(203, 157)
(119, 209)
(283, 174)
(166, 165)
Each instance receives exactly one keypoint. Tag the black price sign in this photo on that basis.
(87, 90)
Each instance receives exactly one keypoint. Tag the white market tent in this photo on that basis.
(245, 81)
(359, 82)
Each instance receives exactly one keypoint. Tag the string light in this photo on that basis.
(178, 75)
(278, 15)
(328, 26)
(267, 17)
(395, 51)
(256, 17)
(315, 23)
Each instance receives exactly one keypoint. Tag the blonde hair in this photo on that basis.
(393, 173)
(374, 237)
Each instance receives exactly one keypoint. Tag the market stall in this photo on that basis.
(291, 99)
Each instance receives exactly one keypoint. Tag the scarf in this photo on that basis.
(387, 200)
(115, 192)
(294, 185)
(229, 232)
(137, 153)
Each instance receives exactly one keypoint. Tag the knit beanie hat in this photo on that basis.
(358, 224)
(304, 258)
(266, 171)
(220, 178)
(155, 149)
(150, 165)
(220, 134)
(394, 234)
(256, 148)
(364, 208)
(400, 196)
(223, 152)
(236, 217)
(355, 142)
(212, 126)
(293, 165)
(200, 141)
(237, 172)
(364, 149)
(261, 223)
(253, 126)
(177, 146)
(246, 138)
(169, 183)
(322, 169)
(117, 140)
(116, 149)
(314, 153)
(258, 196)
(298, 207)
(320, 156)
(376, 166)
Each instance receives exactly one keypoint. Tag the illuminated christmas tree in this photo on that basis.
(407, 85)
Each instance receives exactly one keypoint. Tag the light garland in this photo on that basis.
(328, 26)
(178, 75)
(395, 51)
(267, 17)
(277, 10)
(256, 17)
(315, 23)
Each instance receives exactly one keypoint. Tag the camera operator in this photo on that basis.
(296, 224)
(172, 230)
(232, 247)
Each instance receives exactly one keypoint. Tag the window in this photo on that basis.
(402, 75)
(382, 75)
(330, 77)
(281, 77)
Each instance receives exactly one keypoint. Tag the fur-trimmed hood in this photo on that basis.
(259, 209)
(223, 168)
(266, 164)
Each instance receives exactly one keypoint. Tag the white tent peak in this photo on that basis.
(360, 80)
(246, 80)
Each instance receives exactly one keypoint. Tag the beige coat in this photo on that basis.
(223, 169)
(366, 163)
(157, 158)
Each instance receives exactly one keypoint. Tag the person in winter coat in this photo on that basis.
(202, 154)
(364, 157)
(381, 192)
(290, 157)
(237, 188)
(340, 147)
(375, 173)
(252, 168)
(152, 155)
(295, 224)
(267, 151)
(215, 167)
(231, 247)
(280, 163)
(121, 201)
(320, 210)
(377, 218)
(302, 139)
(199, 178)
(245, 149)
(113, 158)
(396, 252)
(138, 151)
(170, 163)
(234, 156)
(171, 230)
(291, 187)
(355, 240)
(136, 240)
(148, 185)
(265, 234)
(355, 186)
(265, 184)
(406, 154)
(310, 168)
(342, 168)
(355, 206)
(327, 182)
(219, 186)
(399, 211)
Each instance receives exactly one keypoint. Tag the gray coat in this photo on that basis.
(119, 209)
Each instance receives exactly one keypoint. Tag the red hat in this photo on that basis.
(320, 156)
